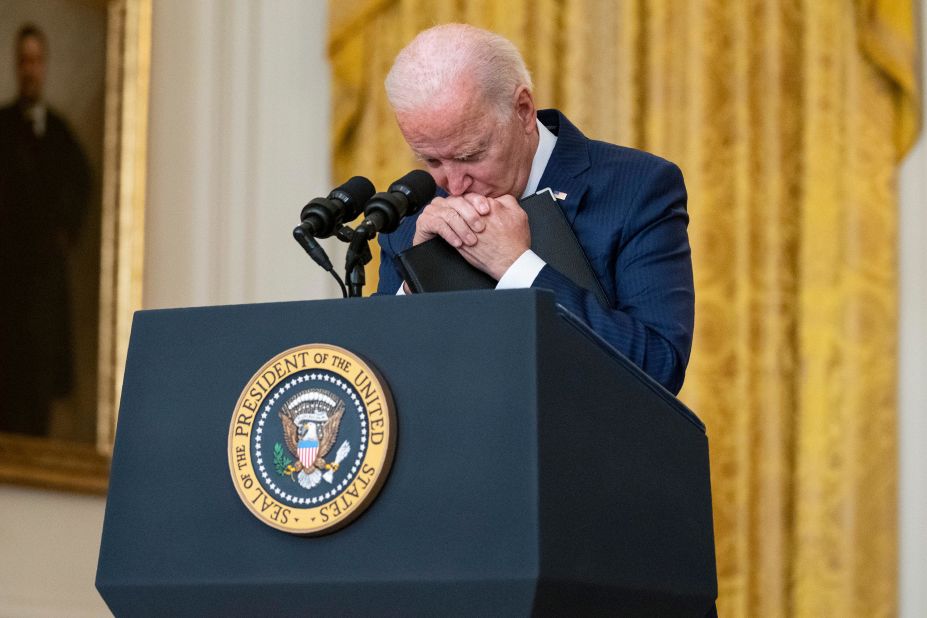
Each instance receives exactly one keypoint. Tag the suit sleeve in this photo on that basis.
(652, 318)
(390, 279)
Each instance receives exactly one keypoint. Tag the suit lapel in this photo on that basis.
(565, 172)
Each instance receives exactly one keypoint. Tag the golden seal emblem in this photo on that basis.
(311, 439)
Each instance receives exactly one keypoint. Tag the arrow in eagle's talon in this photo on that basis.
(343, 451)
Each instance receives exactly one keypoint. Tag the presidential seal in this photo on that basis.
(311, 439)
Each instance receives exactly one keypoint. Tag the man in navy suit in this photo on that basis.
(462, 99)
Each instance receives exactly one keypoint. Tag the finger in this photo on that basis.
(479, 202)
(508, 201)
(468, 211)
(434, 223)
(456, 222)
(430, 223)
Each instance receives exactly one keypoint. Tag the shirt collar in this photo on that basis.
(36, 115)
(546, 143)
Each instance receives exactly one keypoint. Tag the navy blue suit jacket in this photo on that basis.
(628, 210)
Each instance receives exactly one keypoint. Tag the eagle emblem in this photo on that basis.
(311, 439)
(311, 419)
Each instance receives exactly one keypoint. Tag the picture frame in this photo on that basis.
(83, 466)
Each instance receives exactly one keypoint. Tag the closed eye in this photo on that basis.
(429, 161)
(466, 158)
(469, 158)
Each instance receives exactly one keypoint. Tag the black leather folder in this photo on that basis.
(435, 266)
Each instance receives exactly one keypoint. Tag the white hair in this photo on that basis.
(439, 58)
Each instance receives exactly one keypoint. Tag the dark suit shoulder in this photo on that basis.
(54, 117)
(598, 162)
(604, 153)
(59, 129)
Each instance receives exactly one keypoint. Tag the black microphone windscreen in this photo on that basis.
(418, 186)
(355, 192)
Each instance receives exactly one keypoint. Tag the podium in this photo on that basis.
(536, 470)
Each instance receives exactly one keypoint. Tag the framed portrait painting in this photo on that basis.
(73, 129)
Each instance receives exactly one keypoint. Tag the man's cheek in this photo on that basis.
(484, 179)
(440, 178)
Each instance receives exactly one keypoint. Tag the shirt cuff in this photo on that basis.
(522, 272)
(401, 291)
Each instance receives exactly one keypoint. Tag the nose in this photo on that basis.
(458, 181)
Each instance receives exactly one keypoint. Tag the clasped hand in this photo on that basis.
(490, 233)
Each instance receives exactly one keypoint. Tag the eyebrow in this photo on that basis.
(466, 153)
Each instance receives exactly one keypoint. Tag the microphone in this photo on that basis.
(321, 216)
(404, 197)
(383, 213)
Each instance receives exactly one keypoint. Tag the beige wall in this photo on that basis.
(239, 143)
(49, 543)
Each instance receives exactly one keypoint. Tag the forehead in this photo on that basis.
(450, 129)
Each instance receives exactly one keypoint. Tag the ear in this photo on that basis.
(524, 108)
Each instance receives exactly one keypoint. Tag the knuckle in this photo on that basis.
(470, 216)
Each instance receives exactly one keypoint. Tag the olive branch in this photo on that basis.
(282, 463)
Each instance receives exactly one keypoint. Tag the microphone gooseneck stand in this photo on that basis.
(318, 255)
(357, 259)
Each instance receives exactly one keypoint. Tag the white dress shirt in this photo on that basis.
(524, 270)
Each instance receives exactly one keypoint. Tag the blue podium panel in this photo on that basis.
(625, 517)
(535, 470)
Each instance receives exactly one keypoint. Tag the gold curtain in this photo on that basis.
(788, 119)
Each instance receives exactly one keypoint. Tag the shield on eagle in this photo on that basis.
(308, 446)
